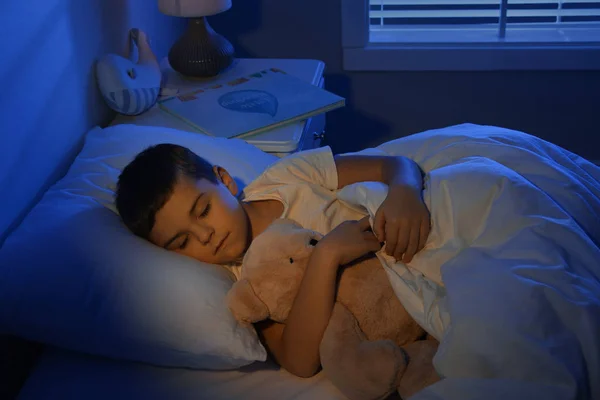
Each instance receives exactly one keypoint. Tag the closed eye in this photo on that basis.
(184, 243)
(206, 210)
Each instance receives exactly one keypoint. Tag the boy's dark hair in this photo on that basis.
(147, 182)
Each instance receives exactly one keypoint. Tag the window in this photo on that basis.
(471, 34)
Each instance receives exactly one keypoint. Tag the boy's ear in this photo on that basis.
(226, 179)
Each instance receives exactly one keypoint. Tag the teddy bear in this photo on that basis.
(371, 347)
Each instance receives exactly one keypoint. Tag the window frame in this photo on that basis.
(361, 55)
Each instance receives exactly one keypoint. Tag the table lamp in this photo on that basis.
(200, 52)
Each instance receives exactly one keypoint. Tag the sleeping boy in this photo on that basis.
(177, 200)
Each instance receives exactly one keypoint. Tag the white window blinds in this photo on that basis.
(475, 14)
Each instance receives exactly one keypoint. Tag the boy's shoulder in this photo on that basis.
(314, 166)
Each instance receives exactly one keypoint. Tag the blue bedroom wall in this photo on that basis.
(49, 94)
(562, 107)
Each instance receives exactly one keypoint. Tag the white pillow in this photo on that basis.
(73, 276)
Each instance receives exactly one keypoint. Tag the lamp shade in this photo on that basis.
(193, 8)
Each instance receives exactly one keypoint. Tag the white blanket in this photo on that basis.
(509, 280)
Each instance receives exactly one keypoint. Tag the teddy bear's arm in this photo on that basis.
(245, 304)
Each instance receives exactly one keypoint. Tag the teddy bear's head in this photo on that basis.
(272, 271)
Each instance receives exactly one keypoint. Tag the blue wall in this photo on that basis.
(562, 107)
(49, 95)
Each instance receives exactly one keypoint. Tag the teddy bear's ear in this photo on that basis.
(245, 304)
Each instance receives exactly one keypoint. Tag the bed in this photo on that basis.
(64, 375)
(120, 348)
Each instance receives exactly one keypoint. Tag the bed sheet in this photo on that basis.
(67, 375)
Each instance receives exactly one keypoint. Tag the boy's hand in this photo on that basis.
(403, 222)
(349, 240)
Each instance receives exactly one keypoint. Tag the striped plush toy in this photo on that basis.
(128, 87)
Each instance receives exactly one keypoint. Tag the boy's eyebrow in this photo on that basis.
(194, 204)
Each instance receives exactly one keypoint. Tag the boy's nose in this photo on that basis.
(204, 233)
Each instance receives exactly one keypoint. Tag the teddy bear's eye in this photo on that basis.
(313, 242)
(291, 260)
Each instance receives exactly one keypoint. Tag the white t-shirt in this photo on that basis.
(306, 184)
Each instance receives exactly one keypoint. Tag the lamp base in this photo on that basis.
(201, 52)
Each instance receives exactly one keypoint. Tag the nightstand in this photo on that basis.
(281, 141)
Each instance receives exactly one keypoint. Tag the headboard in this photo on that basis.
(49, 95)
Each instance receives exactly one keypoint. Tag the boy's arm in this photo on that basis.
(391, 170)
(402, 221)
(295, 345)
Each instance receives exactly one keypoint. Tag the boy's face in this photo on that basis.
(203, 220)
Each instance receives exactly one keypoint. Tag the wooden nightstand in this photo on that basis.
(281, 141)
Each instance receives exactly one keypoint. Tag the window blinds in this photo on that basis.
(390, 14)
